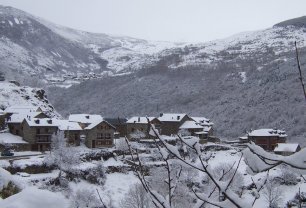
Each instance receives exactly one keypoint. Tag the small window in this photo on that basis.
(37, 131)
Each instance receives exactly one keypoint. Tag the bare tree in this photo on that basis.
(136, 198)
(272, 193)
(65, 158)
(84, 198)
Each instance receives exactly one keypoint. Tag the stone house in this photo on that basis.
(286, 149)
(120, 124)
(72, 131)
(15, 120)
(99, 134)
(138, 127)
(267, 138)
(171, 122)
(208, 130)
(38, 132)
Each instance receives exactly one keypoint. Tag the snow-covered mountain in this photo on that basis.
(33, 47)
(246, 81)
(12, 94)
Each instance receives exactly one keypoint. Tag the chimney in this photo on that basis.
(37, 121)
(49, 121)
(178, 117)
(87, 116)
(138, 119)
(161, 114)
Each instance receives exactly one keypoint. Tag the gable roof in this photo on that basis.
(268, 132)
(191, 125)
(94, 124)
(19, 117)
(140, 120)
(172, 117)
(203, 121)
(66, 125)
(285, 147)
(46, 122)
(116, 121)
(85, 118)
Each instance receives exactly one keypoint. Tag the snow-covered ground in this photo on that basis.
(117, 184)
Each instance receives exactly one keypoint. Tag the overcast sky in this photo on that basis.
(170, 20)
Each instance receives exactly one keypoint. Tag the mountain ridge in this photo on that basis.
(242, 82)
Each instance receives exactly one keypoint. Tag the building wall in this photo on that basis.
(267, 142)
(73, 137)
(2, 121)
(101, 135)
(172, 127)
(134, 127)
(15, 128)
(40, 141)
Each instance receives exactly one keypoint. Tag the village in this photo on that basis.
(29, 128)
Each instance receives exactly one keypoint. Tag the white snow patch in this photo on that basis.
(243, 76)
(16, 21)
(35, 198)
(10, 23)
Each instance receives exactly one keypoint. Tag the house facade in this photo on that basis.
(171, 122)
(14, 120)
(2, 119)
(267, 138)
(286, 149)
(38, 132)
(99, 135)
(72, 131)
(120, 124)
(138, 127)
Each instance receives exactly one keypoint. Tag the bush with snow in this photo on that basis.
(84, 198)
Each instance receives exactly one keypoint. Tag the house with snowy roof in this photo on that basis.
(267, 138)
(14, 120)
(171, 122)
(98, 132)
(120, 124)
(286, 149)
(38, 132)
(139, 127)
(72, 131)
(193, 128)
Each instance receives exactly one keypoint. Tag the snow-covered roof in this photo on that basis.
(42, 121)
(174, 117)
(285, 147)
(8, 138)
(191, 125)
(19, 117)
(22, 109)
(85, 118)
(268, 132)
(64, 125)
(201, 132)
(140, 120)
(203, 121)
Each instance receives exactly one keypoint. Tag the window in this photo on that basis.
(46, 130)
(37, 131)
(100, 136)
(17, 132)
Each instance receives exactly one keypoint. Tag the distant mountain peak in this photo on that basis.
(297, 22)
